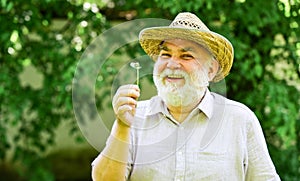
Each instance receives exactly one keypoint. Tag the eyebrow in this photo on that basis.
(162, 46)
(187, 49)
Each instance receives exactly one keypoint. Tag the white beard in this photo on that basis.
(192, 91)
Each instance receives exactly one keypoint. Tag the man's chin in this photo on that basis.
(174, 97)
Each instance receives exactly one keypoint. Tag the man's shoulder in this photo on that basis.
(231, 106)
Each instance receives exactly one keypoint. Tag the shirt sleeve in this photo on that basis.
(111, 154)
(260, 166)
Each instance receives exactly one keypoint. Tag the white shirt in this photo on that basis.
(220, 140)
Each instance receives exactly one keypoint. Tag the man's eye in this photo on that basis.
(165, 55)
(187, 56)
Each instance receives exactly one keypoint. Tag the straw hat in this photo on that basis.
(189, 27)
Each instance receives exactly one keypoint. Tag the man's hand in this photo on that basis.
(124, 103)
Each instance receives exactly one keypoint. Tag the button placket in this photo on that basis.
(180, 154)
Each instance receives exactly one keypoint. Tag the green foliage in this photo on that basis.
(51, 36)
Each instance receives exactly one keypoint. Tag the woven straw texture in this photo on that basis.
(189, 27)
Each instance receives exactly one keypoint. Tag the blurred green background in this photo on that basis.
(43, 40)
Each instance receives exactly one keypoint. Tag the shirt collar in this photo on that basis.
(157, 105)
(207, 104)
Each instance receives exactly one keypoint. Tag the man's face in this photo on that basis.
(181, 72)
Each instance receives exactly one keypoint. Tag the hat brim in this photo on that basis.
(219, 46)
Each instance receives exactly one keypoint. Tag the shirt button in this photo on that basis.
(180, 153)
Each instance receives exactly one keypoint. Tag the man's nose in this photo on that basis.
(174, 63)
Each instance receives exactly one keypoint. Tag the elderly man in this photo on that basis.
(185, 132)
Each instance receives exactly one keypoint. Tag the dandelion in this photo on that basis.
(137, 67)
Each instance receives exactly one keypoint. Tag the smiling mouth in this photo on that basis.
(174, 77)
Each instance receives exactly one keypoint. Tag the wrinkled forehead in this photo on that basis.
(184, 46)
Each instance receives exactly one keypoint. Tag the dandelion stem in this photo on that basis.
(137, 76)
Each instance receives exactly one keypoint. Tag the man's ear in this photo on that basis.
(213, 69)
